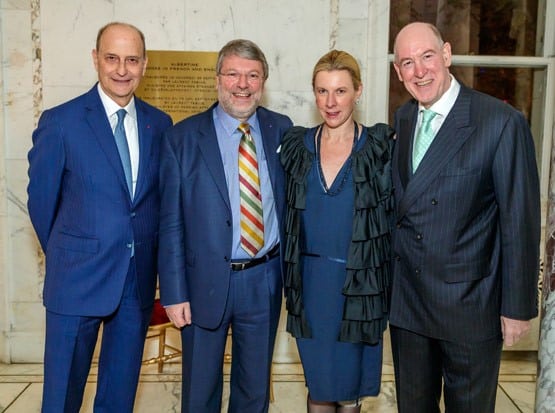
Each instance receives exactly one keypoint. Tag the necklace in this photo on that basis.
(346, 169)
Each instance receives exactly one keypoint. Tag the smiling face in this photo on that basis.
(240, 84)
(422, 63)
(335, 96)
(120, 62)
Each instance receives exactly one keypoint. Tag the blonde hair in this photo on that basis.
(338, 60)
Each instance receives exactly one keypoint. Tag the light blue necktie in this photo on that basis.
(424, 138)
(123, 149)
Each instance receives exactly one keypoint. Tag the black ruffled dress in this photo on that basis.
(337, 256)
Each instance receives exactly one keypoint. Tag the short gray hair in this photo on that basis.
(245, 49)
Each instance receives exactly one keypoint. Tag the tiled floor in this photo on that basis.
(21, 385)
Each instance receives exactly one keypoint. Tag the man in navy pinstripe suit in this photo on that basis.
(99, 234)
(467, 234)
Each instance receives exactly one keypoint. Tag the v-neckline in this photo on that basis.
(343, 171)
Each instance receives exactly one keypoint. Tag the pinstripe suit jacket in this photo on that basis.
(468, 222)
(81, 209)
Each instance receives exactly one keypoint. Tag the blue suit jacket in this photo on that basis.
(468, 222)
(195, 218)
(81, 209)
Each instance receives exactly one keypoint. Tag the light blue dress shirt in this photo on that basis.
(228, 141)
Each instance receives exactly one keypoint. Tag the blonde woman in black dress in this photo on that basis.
(339, 199)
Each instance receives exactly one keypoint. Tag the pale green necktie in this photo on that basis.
(424, 138)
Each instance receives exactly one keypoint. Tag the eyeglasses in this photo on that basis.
(253, 78)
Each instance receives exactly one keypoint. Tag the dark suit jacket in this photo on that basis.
(468, 222)
(81, 209)
(196, 223)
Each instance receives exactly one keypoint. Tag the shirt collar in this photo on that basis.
(447, 100)
(112, 107)
(230, 124)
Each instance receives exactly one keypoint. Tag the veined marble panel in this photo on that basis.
(26, 347)
(165, 25)
(14, 4)
(26, 263)
(68, 36)
(353, 38)
(18, 75)
(353, 9)
(299, 106)
(28, 316)
(25, 258)
(54, 95)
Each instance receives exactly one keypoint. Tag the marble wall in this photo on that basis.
(45, 54)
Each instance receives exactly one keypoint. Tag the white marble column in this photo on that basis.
(545, 384)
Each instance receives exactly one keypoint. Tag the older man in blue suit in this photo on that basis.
(467, 234)
(94, 203)
(222, 201)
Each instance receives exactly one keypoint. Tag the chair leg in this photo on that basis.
(161, 349)
(272, 383)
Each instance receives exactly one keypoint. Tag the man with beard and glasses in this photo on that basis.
(222, 191)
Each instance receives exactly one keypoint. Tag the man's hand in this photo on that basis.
(513, 330)
(179, 314)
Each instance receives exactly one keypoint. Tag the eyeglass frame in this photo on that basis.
(233, 76)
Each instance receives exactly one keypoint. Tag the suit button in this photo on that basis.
(129, 245)
(434, 201)
(226, 258)
(399, 224)
(419, 236)
(228, 222)
(417, 272)
(133, 214)
(397, 258)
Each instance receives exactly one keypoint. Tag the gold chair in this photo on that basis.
(159, 323)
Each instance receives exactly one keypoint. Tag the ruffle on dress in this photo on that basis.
(368, 261)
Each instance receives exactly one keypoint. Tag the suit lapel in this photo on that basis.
(270, 144)
(144, 130)
(100, 127)
(406, 126)
(208, 145)
(450, 138)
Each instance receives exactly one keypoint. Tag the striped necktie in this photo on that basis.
(252, 223)
(424, 138)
